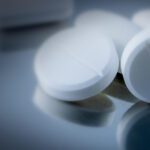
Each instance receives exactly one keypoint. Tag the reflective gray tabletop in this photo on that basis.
(30, 119)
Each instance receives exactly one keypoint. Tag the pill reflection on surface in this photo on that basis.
(96, 111)
(133, 131)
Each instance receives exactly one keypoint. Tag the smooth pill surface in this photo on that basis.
(118, 27)
(135, 65)
(142, 18)
(72, 65)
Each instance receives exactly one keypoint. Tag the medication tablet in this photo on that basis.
(75, 65)
(18, 13)
(135, 65)
(142, 18)
(119, 28)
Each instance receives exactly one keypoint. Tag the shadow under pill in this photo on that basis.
(95, 111)
(119, 90)
(30, 37)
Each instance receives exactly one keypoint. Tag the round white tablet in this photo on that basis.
(75, 65)
(135, 65)
(119, 28)
(142, 18)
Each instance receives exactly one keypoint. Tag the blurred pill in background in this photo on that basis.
(28, 12)
(116, 26)
(142, 18)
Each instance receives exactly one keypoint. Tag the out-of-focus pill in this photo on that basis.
(117, 27)
(142, 18)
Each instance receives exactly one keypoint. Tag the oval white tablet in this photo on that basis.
(142, 18)
(74, 64)
(135, 65)
(119, 28)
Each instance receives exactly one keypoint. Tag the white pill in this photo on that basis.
(142, 18)
(133, 48)
(75, 64)
(119, 28)
(135, 64)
